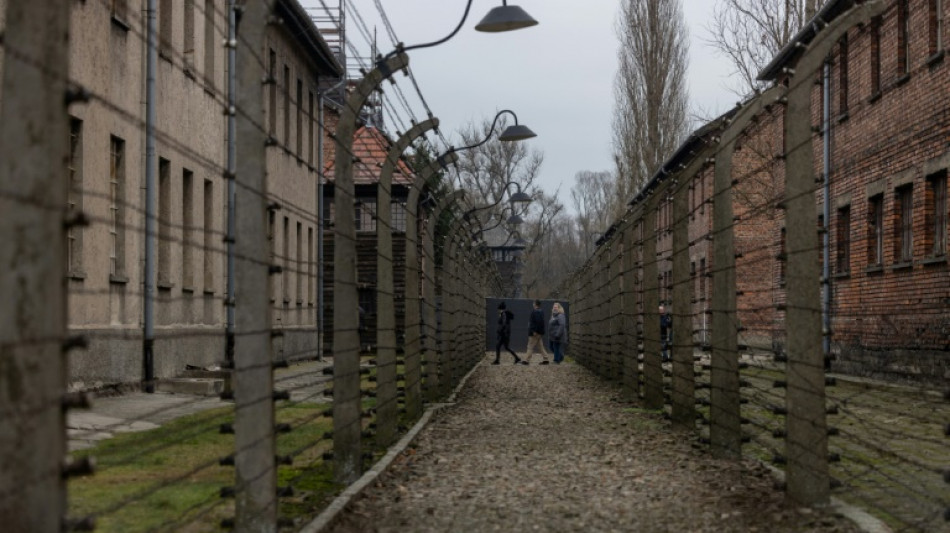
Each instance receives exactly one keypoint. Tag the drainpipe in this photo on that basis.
(826, 212)
(232, 170)
(149, 327)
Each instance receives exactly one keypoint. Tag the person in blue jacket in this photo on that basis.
(536, 335)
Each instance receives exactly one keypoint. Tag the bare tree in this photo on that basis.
(485, 171)
(593, 197)
(751, 32)
(554, 247)
(650, 119)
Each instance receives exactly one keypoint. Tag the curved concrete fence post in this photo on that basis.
(414, 347)
(725, 430)
(431, 310)
(387, 412)
(807, 441)
(347, 409)
(652, 370)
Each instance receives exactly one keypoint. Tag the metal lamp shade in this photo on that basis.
(520, 197)
(515, 220)
(516, 133)
(505, 18)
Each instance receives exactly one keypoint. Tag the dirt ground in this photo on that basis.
(554, 448)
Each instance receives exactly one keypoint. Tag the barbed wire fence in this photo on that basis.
(727, 235)
(262, 458)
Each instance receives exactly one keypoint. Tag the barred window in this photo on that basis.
(365, 213)
(875, 237)
(398, 216)
(843, 241)
(117, 207)
(937, 213)
(904, 224)
(74, 233)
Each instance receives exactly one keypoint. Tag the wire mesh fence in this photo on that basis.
(800, 335)
(205, 272)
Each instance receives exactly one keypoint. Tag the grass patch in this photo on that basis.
(169, 479)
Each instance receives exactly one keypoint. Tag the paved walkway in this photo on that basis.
(139, 411)
(554, 448)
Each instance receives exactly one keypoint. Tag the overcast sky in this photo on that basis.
(556, 76)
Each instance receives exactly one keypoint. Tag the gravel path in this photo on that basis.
(553, 448)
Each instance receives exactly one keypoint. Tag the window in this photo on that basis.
(287, 107)
(934, 27)
(164, 222)
(117, 208)
(285, 278)
(299, 105)
(299, 256)
(937, 214)
(187, 229)
(398, 216)
(165, 28)
(189, 43)
(365, 212)
(311, 278)
(904, 224)
(210, 44)
(74, 232)
(876, 230)
(272, 94)
(310, 129)
(702, 278)
(208, 243)
(119, 9)
(843, 241)
(271, 230)
(903, 37)
(875, 56)
(843, 74)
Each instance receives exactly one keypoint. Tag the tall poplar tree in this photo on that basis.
(650, 118)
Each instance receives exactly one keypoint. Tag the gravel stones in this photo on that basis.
(554, 448)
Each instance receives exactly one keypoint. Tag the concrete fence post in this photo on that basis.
(34, 131)
(628, 326)
(347, 396)
(683, 386)
(807, 441)
(386, 389)
(725, 430)
(652, 370)
(255, 466)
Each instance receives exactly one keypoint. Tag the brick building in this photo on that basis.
(370, 146)
(106, 177)
(888, 86)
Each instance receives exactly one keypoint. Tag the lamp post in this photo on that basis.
(347, 409)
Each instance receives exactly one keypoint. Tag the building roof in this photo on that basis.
(370, 146)
(301, 26)
(789, 55)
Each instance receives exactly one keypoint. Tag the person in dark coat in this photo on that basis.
(536, 335)
(504, 333)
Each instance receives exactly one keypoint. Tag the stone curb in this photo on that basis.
(326, 517)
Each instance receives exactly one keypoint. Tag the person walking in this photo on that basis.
(557, 332)
(503, 333)
(666, 333)
(536, 335)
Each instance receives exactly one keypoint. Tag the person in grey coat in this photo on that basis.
(557, 332)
